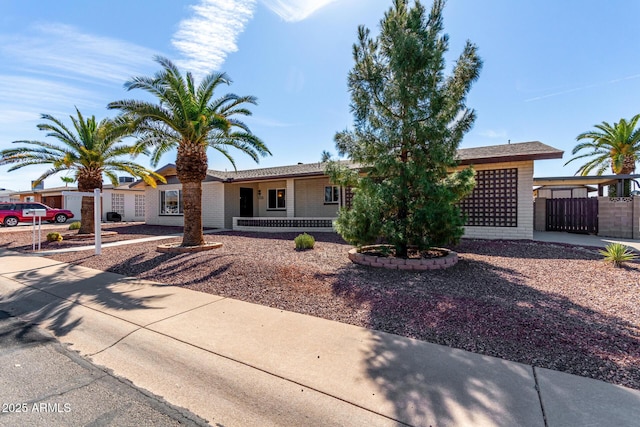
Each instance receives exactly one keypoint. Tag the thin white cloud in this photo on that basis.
(491, 133)
(581, 88)
(211, 34)
(62, 51)
(26, 98)
(267, 122)
(295, 10)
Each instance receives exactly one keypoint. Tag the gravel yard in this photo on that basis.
(546, 305)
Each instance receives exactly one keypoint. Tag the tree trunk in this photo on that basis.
(191, 166)
(192, 199)
(87, 182)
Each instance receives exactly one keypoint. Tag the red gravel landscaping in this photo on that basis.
(546, 305)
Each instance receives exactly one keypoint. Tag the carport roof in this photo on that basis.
(583, 180)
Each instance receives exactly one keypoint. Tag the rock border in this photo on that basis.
(411, 264)
(175, 248)
(76, 236)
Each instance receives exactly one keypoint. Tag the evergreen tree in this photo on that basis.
(409, 119)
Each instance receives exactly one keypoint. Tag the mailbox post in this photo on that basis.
(35, 213)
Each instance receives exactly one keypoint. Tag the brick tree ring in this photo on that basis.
(412, 264)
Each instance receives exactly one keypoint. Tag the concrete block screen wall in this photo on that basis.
(619, 217)
(508, 227)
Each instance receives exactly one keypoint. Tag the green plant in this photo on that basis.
(191, 118)
(74, 225)
(617, 254)
(409, 119)
(54, 237)
(89, 150)
(304, 241)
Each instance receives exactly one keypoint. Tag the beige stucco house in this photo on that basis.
(301, 197)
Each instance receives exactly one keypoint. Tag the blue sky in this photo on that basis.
(552, 69)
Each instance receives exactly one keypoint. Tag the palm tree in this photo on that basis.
(617, 146)
(94, 150)
(188, 118)
(67, 180)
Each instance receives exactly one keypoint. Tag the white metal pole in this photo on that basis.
(33, 235)
(97, 218)
(39, 232)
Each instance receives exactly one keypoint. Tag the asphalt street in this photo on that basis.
(42, 383)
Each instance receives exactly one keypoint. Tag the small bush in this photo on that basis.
(304, 241)
(54, 237)
(617, 254)
(74, 225)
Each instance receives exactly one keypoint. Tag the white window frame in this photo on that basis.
(117, 203)
(139, 205)
(279, 206)
(334, 195)
(171, 211)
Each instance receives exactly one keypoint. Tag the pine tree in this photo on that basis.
(409, 119)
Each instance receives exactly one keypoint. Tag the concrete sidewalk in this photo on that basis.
(582, 239)
(241, 364)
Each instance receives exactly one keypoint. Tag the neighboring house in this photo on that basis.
(301, 197)
(5, 195)
(563, 191)
(126, 201)
(51, 197)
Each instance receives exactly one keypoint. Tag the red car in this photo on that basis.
(11, 213)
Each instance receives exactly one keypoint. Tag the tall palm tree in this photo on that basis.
(190, 119)
(92, 150)
(617, 146)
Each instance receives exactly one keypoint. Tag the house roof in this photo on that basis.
(301, 169)
(583, 180)
(46, 190)
(521, 151)
(533, 150)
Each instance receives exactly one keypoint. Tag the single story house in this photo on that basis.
(5, 195)
(126, 201)
(301, 197)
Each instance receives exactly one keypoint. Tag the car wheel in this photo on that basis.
(60, 218)
(11, 221)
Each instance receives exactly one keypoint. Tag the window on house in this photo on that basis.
(139, 205)
(331, 194)
(277, 199)
(171, 202)
(117, 203)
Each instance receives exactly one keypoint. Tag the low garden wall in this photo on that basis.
(391, 263)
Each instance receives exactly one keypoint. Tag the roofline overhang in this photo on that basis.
(583, 180)
(512, 158)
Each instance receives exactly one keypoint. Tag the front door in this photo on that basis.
(246, 202)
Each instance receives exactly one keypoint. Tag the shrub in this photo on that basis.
(54, 237)
(74, 225)
(617, 254)
(304, 241)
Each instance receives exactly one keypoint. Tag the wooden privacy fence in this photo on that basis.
(573, 215)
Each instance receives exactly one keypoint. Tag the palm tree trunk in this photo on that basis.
(191, 166)
(86, 216)
(192, 199)
(87, 182)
